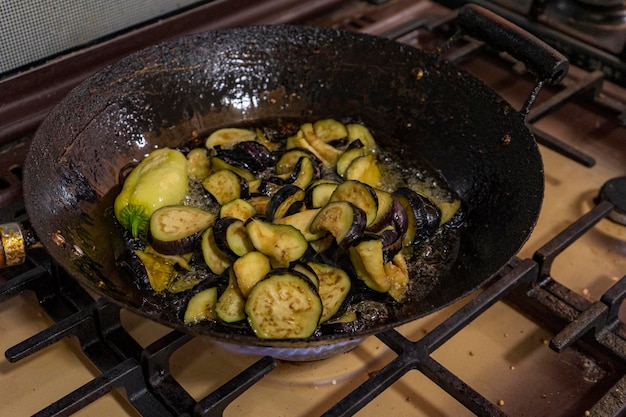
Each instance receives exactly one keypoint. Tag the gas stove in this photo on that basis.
(544, 338)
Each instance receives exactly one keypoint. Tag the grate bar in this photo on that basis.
(128, 375)
(416, 355)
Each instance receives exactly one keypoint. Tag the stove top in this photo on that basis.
(545, 338)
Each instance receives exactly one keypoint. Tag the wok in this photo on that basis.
(161, 96)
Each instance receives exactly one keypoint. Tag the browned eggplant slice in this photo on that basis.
(250, 269)
(281, 242)
(284, 305)
(288, 200)
(201, 306)
(230, 305)
(225, 185)
(344, 220)
(423, 215)
(334, 287)
(215, 258)
(360, 195)
(174, 230)
(367, 259)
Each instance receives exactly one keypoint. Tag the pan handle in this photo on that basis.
(545, 62)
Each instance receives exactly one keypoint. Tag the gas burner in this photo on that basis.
(601, 23)
(614, 191)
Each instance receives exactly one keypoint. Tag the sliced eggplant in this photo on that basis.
(250, 269)
(174, 230)
(318, 194)
(216, 259)
(385, 211)
(306, 270)
(225, 185)
(334, 287)
(201, 306)
(230, 306)
(302, 221)
(238, 209)
(330, 130)
(284, 305)
(398, 276)
(159, 270)
(288, 200)
(364, 169)
(249, 155)
(367, 259)
(281, 242)
(359, 194)
(290, 158)
(228, 137)
(345, 221)
(362, 133)
(347, 158)
(231, 236)
(219, 164)
(259, 203)
(423, 215)
(327, 153)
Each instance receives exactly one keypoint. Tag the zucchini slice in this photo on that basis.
(359, 194)
(250, 269)
(344, 220)
(175, 229)
(334, 286)
(201, 306)
(284, 305)
(281, 242)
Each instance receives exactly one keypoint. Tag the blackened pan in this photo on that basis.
(162, 96)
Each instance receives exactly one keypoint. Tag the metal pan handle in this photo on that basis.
(545, 62)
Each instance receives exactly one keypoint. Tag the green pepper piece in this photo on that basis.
(158, 180)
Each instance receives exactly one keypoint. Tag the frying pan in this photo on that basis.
(162, 96)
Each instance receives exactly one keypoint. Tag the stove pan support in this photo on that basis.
(416, 355)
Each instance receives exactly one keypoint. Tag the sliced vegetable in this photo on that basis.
(288, 200)
(160, 270)
(225, 185)
(249, 155)
(215, 258)
(238, 209)
(250, 269)
(230, 306)
(158, 180)
(344, 220)
(281, 242)
(284, 305)
(359, 194)
(229, 137)
(362, 133)
(318, 194)
(302, 221)
(334, 287)
(201, 306)
(231, 237)
(398, 276)
(175, 229)
(364, 169)
(367, 259)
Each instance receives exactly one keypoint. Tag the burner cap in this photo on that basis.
(614, 191)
